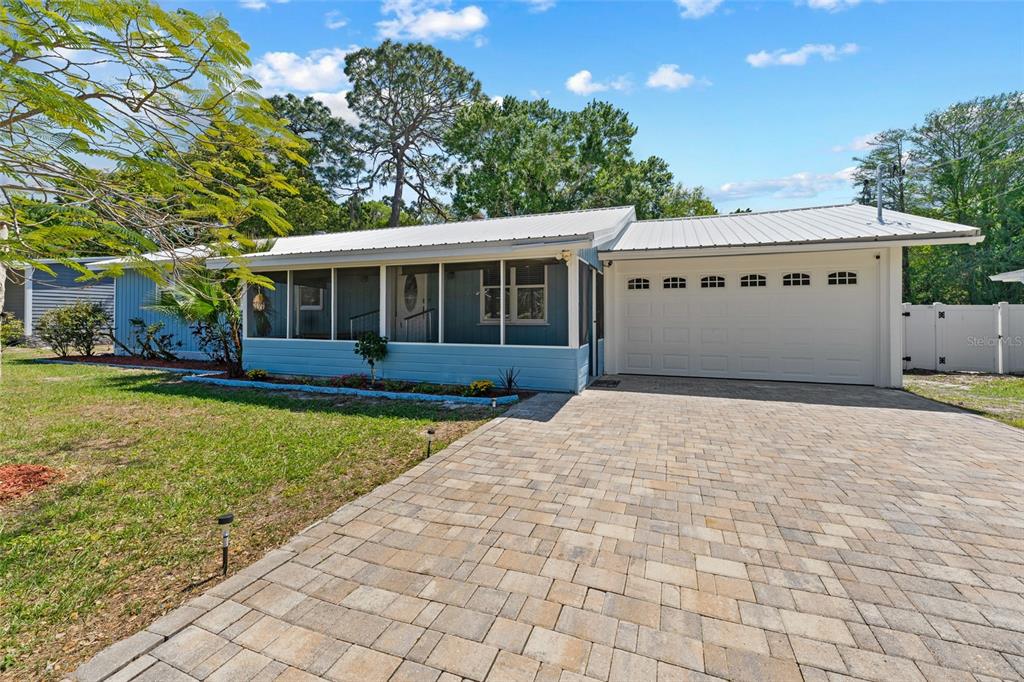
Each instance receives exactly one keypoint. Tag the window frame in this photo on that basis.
(719, 281)
(753, 280)
(673, 282)
(512, 302)
(638, 283)
(842, 278)
(797, 279)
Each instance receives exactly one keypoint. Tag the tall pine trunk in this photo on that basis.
(396, 198)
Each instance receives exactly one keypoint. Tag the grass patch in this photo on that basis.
(148, 462)
(998, 397)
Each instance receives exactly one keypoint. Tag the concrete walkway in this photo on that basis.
(666, 529)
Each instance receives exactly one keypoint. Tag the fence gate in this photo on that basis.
(974, 338)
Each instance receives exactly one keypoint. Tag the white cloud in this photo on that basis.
(583, 83)
(667, 76)
(258, 4)
(336, 102)
(429, 19)
(540, 5)
(320, 70)
(832, 5)
(857, 144)
(479, 41)
(333, 20)
(826, 51)
(798, 185)
(695, 9)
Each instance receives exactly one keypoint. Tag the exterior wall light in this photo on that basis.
(565, 256)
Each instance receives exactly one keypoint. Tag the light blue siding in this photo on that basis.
(545, 369)
(63, 288)
(134, 293)
(582, 367)
(589, 256)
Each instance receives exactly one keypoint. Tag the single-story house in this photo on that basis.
(30, 291)
(1011, 276)
(801, 295)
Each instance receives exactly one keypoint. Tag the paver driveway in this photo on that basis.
(662, 531)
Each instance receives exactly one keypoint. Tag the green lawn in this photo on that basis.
(998, 397)
(148, 464)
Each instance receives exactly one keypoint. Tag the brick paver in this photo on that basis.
(665, 530)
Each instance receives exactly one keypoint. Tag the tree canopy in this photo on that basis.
(965, 164)
(406, 96)
(519, 156)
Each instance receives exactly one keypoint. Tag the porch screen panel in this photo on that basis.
(358, 302)
(413, 305)
(471, 302)
(536, 303)
(311, 304)
(267, 308)
(599, 296)
(586, 310)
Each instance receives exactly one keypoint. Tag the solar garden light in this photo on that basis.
(430, 440)
(225, 521)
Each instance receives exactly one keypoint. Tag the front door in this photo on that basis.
(412, 323)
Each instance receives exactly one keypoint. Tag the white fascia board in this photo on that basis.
(801, 247)
(549, 247)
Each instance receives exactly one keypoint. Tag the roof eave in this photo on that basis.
(965, 237)
(496, 248)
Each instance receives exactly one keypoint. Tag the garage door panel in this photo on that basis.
(819, 332)
(676, 362)
(639, 335)
(675, 335)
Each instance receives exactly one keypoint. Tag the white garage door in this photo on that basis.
(756, 317)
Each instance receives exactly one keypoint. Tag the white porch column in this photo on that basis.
(288, 302)
(501, 302)
(894, 312)
(245, 309)
(29, 273)
(334, 304)
(574, 302)
(382, 304)
(440, 302)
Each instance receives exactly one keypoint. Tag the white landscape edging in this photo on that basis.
(342, 390)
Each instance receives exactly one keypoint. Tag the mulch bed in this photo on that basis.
(21, 479)
(397, 386)
(156, 364)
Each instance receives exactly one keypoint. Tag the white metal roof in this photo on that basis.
(588, 224)
(818, 225)
(1011, 276)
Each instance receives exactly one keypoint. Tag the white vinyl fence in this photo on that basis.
(957, 338)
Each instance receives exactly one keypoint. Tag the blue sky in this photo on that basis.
(762, 103)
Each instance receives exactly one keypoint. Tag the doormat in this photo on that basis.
(605, 383)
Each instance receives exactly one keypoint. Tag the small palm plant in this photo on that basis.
(372, 348)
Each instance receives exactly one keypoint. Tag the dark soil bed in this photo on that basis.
(110, 359)
(362, 382)
(21, 479)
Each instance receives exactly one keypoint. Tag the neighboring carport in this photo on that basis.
(799, 295)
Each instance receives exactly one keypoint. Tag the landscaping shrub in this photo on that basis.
(79, 326)
(12, 330)
(372, 348)
(509, 380)
(150, 343)
(394, 385)
(480, 387)
(257, 374)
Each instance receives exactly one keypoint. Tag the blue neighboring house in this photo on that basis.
(33, 291)
(802, 295)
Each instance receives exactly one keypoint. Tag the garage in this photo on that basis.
(800, 295)
(759, 317)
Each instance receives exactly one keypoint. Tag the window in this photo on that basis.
(311, 310)
(796, 279)
(267, 307)
(753, 281)
(842, 277)
(637, 283)
(673, 283)
(525, 293)
(712, 282)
